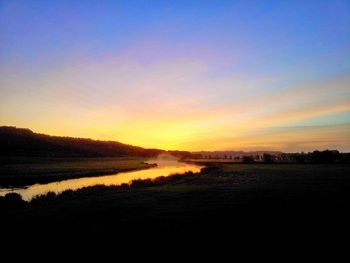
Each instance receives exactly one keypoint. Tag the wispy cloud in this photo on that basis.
(181, 79)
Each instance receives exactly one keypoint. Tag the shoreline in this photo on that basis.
(23, 181)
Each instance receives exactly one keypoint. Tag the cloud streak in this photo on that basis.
(229, 76)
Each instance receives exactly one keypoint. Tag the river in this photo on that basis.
(163, 168)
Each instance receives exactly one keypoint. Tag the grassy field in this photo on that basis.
(28, 170)
(226, 199)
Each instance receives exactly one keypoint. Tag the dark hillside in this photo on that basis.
(24, 142)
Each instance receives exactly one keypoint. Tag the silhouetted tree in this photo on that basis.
(267, 158)
(326, 156)
(247, 159)
(11, 201)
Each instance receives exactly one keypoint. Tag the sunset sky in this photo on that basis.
(187, 75)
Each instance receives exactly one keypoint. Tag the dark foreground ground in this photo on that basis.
(225, 199)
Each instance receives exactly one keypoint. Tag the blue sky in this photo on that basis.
(103, 62)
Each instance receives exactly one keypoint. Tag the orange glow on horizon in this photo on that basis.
(176, 119)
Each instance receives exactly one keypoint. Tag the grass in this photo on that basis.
(18, 171)
(228, 198)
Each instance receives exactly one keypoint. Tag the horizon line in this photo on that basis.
(192, 151)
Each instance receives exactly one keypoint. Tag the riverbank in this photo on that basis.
(22, 171)
(222, 199)
(162, 167)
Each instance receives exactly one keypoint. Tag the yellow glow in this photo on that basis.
(163, 108)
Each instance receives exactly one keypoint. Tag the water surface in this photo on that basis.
(163, 168)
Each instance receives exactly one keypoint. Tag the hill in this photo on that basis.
(24, 142)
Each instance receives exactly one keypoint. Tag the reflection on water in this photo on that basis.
(164, 168)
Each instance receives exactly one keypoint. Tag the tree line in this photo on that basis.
(326, 156)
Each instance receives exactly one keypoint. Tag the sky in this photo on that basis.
(186, 75)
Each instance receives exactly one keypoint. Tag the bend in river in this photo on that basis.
(163, 168)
